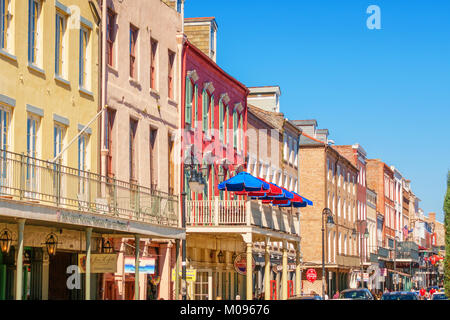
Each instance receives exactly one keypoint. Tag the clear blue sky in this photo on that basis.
(387, 89)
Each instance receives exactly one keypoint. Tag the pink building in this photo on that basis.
(141, 94)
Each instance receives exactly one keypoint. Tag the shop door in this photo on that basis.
(57, 286)
(129, 290)
(110, 290)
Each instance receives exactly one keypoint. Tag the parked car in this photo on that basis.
(400, 295)
(308, 297)
(439, 296)
(356, 294)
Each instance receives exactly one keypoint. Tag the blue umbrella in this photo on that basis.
(243, 181)
(294, 204)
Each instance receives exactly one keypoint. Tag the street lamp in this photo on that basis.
(51, 242)
(5, 240)
(330, 224)
(107, 247)
(366, 235)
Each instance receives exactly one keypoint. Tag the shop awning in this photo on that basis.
(244, 181)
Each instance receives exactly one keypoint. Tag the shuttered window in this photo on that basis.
(59, 45)
(211, 108)
(220, 120)
(188, 101)
(205, 103)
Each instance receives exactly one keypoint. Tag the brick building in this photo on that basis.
(329, 180)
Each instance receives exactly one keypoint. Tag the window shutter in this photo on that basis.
(205, 112)
(226, 125)
(2, 23)
(57, 44)
(30, 29)
(188, 101)
(81, 62)
(221, 120)
(242, 132)
(194, 121)
(235, 128)
(212, 115)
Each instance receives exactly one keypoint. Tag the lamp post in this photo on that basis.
(330, 224)
(366, 235)
(395, 263)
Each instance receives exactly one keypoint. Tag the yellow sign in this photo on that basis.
(100, 262)
(191, 274)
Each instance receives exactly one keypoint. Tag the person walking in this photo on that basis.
(336, 295)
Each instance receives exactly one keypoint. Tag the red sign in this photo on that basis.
(311, 275)
(273, 289)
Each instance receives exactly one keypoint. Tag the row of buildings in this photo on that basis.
(129, 126)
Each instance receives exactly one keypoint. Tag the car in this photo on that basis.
(400, 295)
(356, 294)
(308, 297)
(439, 296)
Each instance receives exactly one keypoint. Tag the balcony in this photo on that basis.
(383, 252)
(408, 250)
(208, 213)
(31, 180)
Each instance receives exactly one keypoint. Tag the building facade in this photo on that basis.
(329, 180)
(139, 129)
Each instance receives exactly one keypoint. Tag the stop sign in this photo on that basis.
(311, 275)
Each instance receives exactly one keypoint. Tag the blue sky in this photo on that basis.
(387, 89)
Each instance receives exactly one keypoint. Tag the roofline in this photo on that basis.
(203, 55)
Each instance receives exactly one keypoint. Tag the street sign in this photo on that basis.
(191, 274)
(311, 275)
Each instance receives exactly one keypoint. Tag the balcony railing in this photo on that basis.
(25, 178)
(239, 212)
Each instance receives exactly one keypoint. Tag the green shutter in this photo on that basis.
(212, 115)
(194, 122)
(213, 175)
(235, 128)
(242, 132)
(205, 112)
(226, 125)
(188, 99)
(220, 120)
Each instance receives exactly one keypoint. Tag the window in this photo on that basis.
(205, 112)
(32, 152)
(170, 74)
(339, 175)
(295, 152)
(84, 58)
(345, 244)
(4, 144)
(153, 63)
(110, 116)
(60, 46)
(188, 102)
(340, 244)
(58, 138)
(290, 149)
(154, 159)
(83, 141)
(6, 26)
(110, 36)
(133, 51)
(34, 32)
(132, 149)
(195, 107)
(241, 132)
(227, 138)
(235, 128)
(211, 108)
(285, 148)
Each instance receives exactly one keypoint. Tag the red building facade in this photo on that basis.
(213, 122)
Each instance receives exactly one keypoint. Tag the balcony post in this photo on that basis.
(267, 270)
(88, 263)
(248, 210)
(136, 269)
(216, 211)
(284, 273)
(19, 261)
(115, 196)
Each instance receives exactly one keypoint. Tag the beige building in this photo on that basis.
(329, 180)
(141, 94)
(372, 221)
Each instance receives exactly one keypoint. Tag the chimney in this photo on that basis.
(202, 33)
(322, 135)
(307, 126)
(432, 217)
(266, 98)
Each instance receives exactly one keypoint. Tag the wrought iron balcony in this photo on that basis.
(28, 179)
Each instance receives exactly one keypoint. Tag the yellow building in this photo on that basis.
(48, 84)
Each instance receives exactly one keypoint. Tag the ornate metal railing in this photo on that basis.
(25, 178)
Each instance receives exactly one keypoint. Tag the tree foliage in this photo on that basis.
(447, 238)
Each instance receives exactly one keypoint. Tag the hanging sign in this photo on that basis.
(311, 275)
(100, 262)
(240, 263)
(146, 265)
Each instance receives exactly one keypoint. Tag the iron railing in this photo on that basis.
(25, 178)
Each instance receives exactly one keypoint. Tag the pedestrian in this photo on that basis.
(336, 295)
(238, 297)
(422, 293)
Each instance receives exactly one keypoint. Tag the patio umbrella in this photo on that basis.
(274, 190)
(286, 195)
(244, 181)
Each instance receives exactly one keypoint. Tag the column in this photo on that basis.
(19, 261)
(45, 275)
(267, 270)
(249, 272)
(136, 270)
(284, 274)
(88, 264)
(298, 280)
(177, 270)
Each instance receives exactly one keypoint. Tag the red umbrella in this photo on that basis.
(273, 191)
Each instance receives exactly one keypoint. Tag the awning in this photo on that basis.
(244, 181)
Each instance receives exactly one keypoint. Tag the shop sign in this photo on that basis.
(146, 265)
(279, 267)
(100, 262)
(88, 220)
(311, 275)
(240, 263)
(191, 274)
